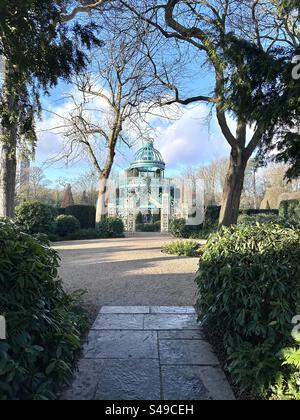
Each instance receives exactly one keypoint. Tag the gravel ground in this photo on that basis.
(129, 271)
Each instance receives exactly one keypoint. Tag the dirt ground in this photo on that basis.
(128, 271)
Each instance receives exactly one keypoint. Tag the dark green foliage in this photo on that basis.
(85, 214)
(60, 211)
(187, 248)
(180, 229)
(290, 210)
(35, 217)
(248, 286)
(259, 218)
(139, 218)
(148, 227)
(44, 324)
(111, 227)
(66, 225)
(253, 212)
(39, 49)
(212, 215)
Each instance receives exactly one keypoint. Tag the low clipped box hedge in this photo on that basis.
(259, 218)
(254, 212)
(44, 324)
(85, 214)
(36, 217)
(66, 225)
(249, 289)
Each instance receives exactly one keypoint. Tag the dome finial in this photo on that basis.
(148, 141)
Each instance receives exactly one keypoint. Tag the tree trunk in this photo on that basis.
(8, 167)
(233, 189)
(101, 209)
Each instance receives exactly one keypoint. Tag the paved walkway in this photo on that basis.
(148, 353)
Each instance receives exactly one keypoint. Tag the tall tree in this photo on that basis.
(39, 43)
(237, 38)
(114, 94)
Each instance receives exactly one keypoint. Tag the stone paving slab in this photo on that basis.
(186, 352)
(170, 322)
(121, 345)
(119, 322)
(148, 353)
(172, 310)
(181, 335)
(125, 310)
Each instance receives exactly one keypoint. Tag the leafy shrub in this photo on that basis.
(85, 214)
(259, 218)
(254, 212)
(149, 227)
(183, 248)
(36, 217)
(111, 227)
(44, 324)
(139, 218)
(287, 385)
(290, 210)
(60, 211)
(248, 285)
(66, 225)
(212, 215)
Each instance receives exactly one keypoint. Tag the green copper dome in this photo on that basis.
(148, 159)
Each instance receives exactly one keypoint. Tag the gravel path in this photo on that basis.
(129, 271)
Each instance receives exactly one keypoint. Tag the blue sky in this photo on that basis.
(191, 140)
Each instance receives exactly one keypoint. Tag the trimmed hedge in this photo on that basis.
(249, 289)
(254, 212)
(290, 210)
(85, 214)
(44, 324)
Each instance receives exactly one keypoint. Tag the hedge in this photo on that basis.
(290, 210)
(85, 214)
(254, 212)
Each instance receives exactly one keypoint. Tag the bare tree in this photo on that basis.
(217, 29)
(109, 103)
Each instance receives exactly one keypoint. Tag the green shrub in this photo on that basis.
(287, 385)
(290, 210)
(254, 212)
(60, 211)
(111, 227)
(150, 227)
(66, 225)
(248, 286)
(184, 248)
(259, 218)
(44, 324)
(212, 215)
(36, 217)
(85, 214)
(139, 218)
